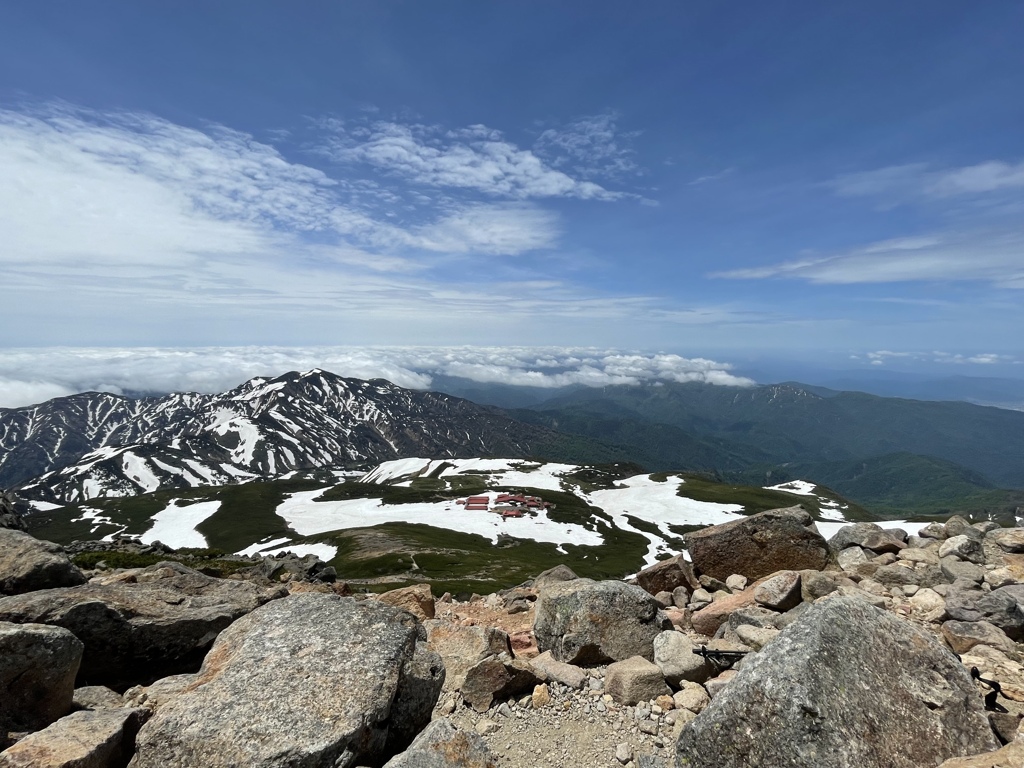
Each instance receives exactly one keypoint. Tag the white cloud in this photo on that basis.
(991, 176)
(591, 146)
(882, 357)
(476, 158)
(997, 257)
(490, 229)
(711, 177)
(134, 189)
(15, 393)
(32, 375)
(985, 358)
(901, 183)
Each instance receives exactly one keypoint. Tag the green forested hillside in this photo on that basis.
(886, 453)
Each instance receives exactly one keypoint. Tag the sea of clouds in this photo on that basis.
(29, 376)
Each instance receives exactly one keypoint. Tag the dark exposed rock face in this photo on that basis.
(9, 517)
(418, 691)
(308, 680)
(138, 632)
(756, 546)
(37, 674)
(28, 564)
(846, 686)
(591, 622)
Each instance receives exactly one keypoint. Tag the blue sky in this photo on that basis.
(840, 183)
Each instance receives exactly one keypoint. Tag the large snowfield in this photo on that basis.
(657, 503)
(308, 517)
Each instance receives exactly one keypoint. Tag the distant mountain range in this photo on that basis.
(891, 455)
(96, 444)
(889, 452)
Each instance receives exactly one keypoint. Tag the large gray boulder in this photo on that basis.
(633, 680)
(28, 564)
(139, 632)
(498, 678)
(309, 680)
(1008, 539)
(38, 665)
(103, 738)
(592, 622)
(674, 655)
(966, 601)
(846, 686)
(461, 647)
(759, 545)
(442, 745)
(560, 572)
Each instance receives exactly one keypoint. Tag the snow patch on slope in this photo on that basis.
(139, 471)
(308, 517)
(659, 504)
(175, 525)
(504, 472)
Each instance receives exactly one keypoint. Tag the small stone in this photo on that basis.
(541, 696)
(736, 582)
(755, 637)
(664, 599)
(933, 531)
(963, 547)
(700, 598)
(666, 703)
(486, 726)
(718, 684)
(780, 591)
(648, 726)
(680, 596)
(851, 557)
(1000, 577)
(692, 697)
(623, 753)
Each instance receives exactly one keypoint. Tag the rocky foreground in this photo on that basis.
(769, 647)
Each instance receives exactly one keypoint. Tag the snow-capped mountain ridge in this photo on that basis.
(98, 444)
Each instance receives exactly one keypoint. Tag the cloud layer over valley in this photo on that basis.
(29, 376)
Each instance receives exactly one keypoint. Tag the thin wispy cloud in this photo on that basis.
(917, 181)
(711, 177)
(112, 216)
(134, 187)
(884, 357)
(31, 375)
(591, 146)
(475, 158)
(996, 257)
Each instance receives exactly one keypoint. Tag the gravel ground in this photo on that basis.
(581, 728)
(576, 728)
